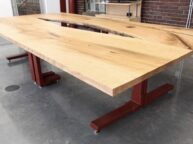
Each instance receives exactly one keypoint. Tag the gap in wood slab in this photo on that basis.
(88, 27)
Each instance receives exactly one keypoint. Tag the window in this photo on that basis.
(97, 6)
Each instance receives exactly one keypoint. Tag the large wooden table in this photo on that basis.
(125, 54)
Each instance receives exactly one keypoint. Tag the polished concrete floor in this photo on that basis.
(61, 113)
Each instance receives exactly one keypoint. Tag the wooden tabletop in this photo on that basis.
(111, 63)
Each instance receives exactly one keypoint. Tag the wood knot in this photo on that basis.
(130, 27)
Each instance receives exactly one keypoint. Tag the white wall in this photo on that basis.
(50, 6)
(5, 8)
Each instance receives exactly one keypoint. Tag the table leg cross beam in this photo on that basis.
(140, 98)
(9, 58)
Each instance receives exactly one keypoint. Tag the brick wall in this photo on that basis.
(169, 12)
(80, 6)
(172, 12)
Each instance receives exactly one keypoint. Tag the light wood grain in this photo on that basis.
(174, 36)
(117, 9)
(110, 63)
(115, 17)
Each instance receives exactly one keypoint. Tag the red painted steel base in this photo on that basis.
(17, 56)
(41, 79)
(140, 98)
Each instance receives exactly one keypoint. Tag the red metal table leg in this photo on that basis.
(41, 79)
(31, 64)
(37, 70)
(17, 56)
(140, 98)
(139, 93)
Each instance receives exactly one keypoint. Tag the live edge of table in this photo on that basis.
(123, 55)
